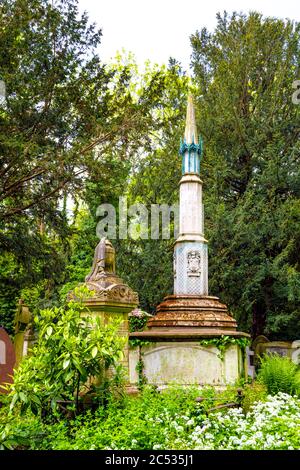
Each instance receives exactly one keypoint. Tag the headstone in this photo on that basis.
(259, 347)
(296, 351)
(22, 322)
(281, 348)
(7, 359)
(250, 362)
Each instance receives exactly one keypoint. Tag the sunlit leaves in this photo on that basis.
(71, 349)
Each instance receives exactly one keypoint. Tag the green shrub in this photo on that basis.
(279, 374)
(253, 393)
(71, 350)
(138, 320)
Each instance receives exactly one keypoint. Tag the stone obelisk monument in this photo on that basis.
(190, 250)
(190, 315)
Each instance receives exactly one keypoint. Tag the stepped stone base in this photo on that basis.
(170, 349)
(196, 313)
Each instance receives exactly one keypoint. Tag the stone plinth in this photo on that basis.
(193, 311)
(117, 301)
(170, 348)
(22, 329)
(111, 297)
(186, 363)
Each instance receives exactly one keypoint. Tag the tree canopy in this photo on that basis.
(69, 123)
(244, 72)
(75, 129)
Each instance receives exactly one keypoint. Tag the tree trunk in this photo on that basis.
(258, 319)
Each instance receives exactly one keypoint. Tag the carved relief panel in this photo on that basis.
(193, 263)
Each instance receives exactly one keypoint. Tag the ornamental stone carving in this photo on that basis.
(194, 263)
(122, 293)
(103, 280)
(98, 263)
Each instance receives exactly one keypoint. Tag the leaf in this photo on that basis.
(94, 351)
(66, 363)
(69, 376)
(23, 397)
(49, 330)
(14, 400)
(35, 399)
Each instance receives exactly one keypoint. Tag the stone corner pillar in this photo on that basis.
(111, 297)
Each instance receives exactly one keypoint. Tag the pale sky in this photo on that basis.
(158, 29)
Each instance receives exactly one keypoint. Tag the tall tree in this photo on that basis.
(244, 71)
(151, 178)
(64, 117)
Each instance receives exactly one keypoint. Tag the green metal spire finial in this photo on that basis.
(192, 145)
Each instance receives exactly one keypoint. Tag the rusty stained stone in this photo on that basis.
(192, 311)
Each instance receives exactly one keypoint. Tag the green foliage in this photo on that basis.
(19, 432)
(253, 393)
(71, 129)
(223, 342)
(244, 72)
(135, 342)
(72, 348)
(279, 374)
(142, 379)
(170, 419)
(134, 423)
(138, 323)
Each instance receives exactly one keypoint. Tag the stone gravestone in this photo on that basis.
(7, 359)
(261, 345)
(22, 326)
(250, 362)
(111, 297)
(296, 351)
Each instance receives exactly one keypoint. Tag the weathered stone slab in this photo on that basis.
(186, 363)
(262, 345)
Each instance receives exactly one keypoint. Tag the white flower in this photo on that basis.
(190, 422)
(157, 446)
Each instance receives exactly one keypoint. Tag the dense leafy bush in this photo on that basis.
(138, 320)
(279, 374)
(253, 393)
(72, 348)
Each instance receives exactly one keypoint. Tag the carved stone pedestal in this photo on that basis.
(111, 297)
(192, 311)
(180, 344)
